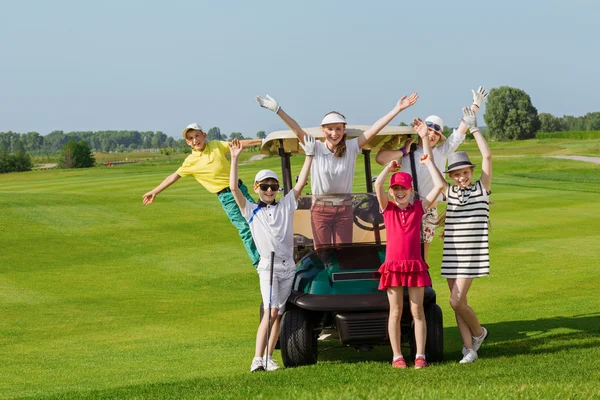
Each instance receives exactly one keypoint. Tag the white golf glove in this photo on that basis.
(469, 119)
(309, 145)
(479, 96)
(269, 103)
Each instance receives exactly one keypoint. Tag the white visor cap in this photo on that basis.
(333, 118)
(193, 126)
(265, 174)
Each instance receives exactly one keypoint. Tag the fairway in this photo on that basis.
(102, 297)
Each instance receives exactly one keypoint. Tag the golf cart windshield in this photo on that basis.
(356, 216)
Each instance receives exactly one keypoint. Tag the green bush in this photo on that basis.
(568, 135)
(18, 162)
(76, 155)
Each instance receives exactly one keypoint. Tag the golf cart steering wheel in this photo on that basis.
(367, 212)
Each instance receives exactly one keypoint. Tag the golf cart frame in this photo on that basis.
(335, 288)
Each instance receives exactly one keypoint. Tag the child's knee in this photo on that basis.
(456, 303)
(417, 311)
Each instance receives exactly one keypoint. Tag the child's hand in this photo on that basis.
(406, 102)
(309, 145)
(393, 166)
(424, 159)
(269, 103)
(236, 148)
(420, 127)
(469, 119)
(479, 96)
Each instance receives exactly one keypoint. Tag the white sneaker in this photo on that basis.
(257, 365)
(464, 351)
(272, 365)
(477, 341)
(469, 357)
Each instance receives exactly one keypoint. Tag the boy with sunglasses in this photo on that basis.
(270, 222)
(441, 148)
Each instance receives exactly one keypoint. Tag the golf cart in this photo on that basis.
(335, 288)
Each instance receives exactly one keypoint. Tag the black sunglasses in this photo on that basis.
(265, 186)
(435, 127)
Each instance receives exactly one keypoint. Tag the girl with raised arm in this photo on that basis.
(332, 171)
(403, 264)
(466, 251)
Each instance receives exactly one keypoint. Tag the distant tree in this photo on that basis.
(214, 133)
(76, 155)
(236, 135)
(18, 162)
(592, 121)
(550, 123)
(509, 114)
(261, 134)
(402, 124)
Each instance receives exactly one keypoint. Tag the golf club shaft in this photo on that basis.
(270, 298)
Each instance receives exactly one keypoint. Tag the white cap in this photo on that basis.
(333, 118)
(436, 120)
(265, 174)
(193, 126)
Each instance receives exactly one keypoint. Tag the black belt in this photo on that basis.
(227, 189)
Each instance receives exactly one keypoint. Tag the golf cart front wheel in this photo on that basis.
(298, 339)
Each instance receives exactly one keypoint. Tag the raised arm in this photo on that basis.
(430, 198)
(470, 120)
(380, 191)
(271, 104)
(309, 150)
(478, 99)
(250, 142)
(149, 197)
(236, 149)
(381, 123)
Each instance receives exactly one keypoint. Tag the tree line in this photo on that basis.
(100, 141)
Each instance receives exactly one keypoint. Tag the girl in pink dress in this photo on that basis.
(403, 264)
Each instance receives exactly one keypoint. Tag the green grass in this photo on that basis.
(102, 297)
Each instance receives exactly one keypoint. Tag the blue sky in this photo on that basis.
(158, 65)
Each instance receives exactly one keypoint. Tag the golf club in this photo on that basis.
(270, 298)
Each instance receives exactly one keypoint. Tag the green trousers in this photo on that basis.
(235, 216)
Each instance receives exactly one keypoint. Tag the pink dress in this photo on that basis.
(403, 264)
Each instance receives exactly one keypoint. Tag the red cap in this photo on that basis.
(402, 179)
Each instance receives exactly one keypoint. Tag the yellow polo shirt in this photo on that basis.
(209, 166)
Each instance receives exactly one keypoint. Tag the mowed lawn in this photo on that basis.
(102, 297)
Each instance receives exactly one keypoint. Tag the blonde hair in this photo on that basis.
(340, 150)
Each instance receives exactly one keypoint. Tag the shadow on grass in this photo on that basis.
(506, 339)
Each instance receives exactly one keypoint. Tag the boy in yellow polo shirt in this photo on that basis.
(208, 165)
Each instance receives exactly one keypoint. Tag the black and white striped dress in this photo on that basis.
(466, 251)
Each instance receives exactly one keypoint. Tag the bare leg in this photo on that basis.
(261, 334)
(276, 320)
(415, 294)
(396, 299)
(465, 316)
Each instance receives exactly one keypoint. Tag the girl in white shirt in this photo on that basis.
(332, 171)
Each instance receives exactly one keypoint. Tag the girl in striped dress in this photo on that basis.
(466, 252)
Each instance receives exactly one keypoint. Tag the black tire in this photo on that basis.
(298, 339)
(262, 312)
(434, 346)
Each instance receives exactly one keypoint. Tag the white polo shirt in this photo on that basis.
(271, 227)
(440, 157)
(330, 174)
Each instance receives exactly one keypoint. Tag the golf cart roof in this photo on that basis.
(390, 136)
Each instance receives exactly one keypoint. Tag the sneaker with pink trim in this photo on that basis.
(420, 363)
(399, 363)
